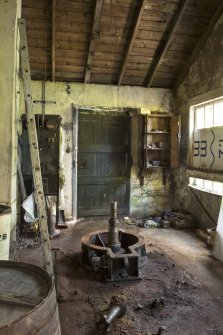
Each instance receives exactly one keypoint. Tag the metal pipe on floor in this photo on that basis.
(117, 309)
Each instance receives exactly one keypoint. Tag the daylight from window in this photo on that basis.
(207, 115)
(206, 185)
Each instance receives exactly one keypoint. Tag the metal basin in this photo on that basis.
(126, 264)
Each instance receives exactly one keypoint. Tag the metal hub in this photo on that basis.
(120, 255)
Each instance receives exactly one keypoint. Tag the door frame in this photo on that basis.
(75, 114)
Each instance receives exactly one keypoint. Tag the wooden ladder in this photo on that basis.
(34, 150)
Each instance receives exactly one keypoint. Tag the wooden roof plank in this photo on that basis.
(53, 23)
(92, 47)
(166, 43)
(199, 45)
(132, 39)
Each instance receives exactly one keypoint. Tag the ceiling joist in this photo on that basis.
(120, 41)
(199, 45)
(132, 39)
(94, 37)
(165, 45)
(53, 17)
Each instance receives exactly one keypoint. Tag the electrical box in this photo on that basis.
(48, 133)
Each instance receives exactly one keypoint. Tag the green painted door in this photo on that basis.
(103, 163)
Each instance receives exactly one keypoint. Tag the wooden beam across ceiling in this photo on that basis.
(165, 45)
(132, 39)
(199, 45)
(53, 18)
(94, 37)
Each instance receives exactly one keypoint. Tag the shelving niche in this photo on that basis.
(161, 141)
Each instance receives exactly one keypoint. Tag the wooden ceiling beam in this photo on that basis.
(53, 46)
(199, 45)
(94, 37)
(165, 45)
(132, 39)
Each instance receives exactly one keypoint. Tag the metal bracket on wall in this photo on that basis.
(34, 149)
(44, 102)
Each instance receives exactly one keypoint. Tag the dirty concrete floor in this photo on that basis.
(179, 270)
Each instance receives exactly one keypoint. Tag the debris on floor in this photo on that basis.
(168, 297)
(129, 221)
(166, 219)
(208, 236)
(27, 242)
(160, 330)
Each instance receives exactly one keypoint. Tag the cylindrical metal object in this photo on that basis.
(117, 309)
(114, 312)
(113, 235)
(5, 224)
(28, 303)
(114, 210)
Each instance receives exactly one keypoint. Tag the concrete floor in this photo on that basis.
(176, 257)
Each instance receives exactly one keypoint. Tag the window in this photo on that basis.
(208, 114)
(206, 144)
(206, 185)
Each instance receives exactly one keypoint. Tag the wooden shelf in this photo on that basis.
(159, 115)
(158, 132)
(159, 141)
(151, 149)
(159, 166)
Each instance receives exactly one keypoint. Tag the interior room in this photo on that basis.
(111, 151)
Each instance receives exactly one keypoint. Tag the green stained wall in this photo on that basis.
(144, 199)
(204, 76)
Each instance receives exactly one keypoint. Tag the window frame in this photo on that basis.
(199, 100)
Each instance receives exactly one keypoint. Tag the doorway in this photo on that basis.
(103, 163)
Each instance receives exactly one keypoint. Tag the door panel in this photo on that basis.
(103, 163)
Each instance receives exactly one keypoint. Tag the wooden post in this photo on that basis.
(53, 18)
(74, 165)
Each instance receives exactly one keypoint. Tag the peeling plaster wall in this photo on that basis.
(106, 96)
(205, 75)
(143, 199)
(9, 85)
(151, 198)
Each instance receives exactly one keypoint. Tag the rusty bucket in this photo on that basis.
(28, 304)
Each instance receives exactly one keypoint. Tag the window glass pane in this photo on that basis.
(208, 116)
(191, 181)
(217, 187)
(208, 185)
(218, 113)
(199, 183)
(199, 118)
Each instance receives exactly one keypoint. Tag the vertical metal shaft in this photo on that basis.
(114, 210)
(113, 236)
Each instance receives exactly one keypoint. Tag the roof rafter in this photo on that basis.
(165, 45)
(199, 45)
(53, 45)
(132, 39)
(94, 36)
